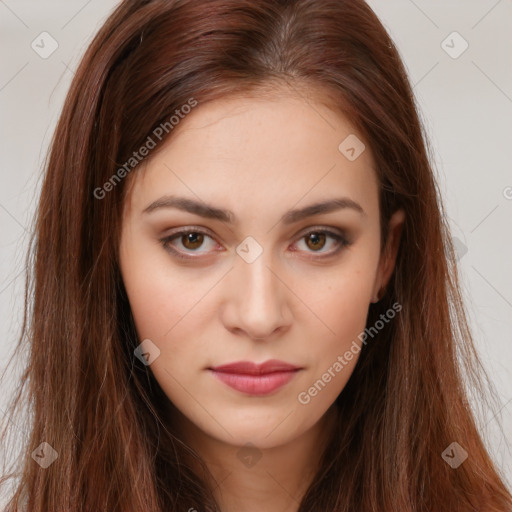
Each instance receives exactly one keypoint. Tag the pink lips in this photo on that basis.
(255, 379)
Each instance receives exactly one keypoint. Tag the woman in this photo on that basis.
(245, 294)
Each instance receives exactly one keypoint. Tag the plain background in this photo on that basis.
(466, 104)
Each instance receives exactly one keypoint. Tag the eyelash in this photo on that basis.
(339, 238)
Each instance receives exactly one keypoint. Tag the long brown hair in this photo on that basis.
(101, 409)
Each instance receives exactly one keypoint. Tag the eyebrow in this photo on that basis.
(210, 212)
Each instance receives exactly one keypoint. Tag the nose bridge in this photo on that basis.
(258, 295)
(258, 283)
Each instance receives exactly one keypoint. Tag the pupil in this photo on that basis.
(316, 240)
(193, 238)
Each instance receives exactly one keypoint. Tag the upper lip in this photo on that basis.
(250, 368)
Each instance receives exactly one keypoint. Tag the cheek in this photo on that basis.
(343, 301)
(158, 297)
(157, 300)
(342, 296)
(340, 299)
(152, 300)
(170, 306)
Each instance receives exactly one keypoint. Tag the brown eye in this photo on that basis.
(189, 241)
(192, 240)
(315, 240)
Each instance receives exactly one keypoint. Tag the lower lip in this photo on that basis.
(255, 384)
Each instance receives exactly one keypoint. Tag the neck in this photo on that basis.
(251, 479)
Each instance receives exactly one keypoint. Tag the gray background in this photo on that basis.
(466, 104)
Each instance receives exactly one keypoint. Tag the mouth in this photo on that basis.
(253, 378)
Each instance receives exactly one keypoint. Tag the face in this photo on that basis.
(225, 260)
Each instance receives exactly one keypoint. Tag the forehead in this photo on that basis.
(250, 151)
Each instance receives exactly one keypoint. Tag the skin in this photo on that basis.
(297, 302)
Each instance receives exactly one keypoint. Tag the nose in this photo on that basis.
(257, 300)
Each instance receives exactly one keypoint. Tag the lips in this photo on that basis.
(253, 378)
(250, 368)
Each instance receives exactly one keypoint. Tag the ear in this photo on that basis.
(388, 256)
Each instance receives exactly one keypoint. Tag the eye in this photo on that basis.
(190, 239)
(317, 239)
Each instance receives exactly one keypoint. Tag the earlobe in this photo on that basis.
(388, 257)
(378, 296)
